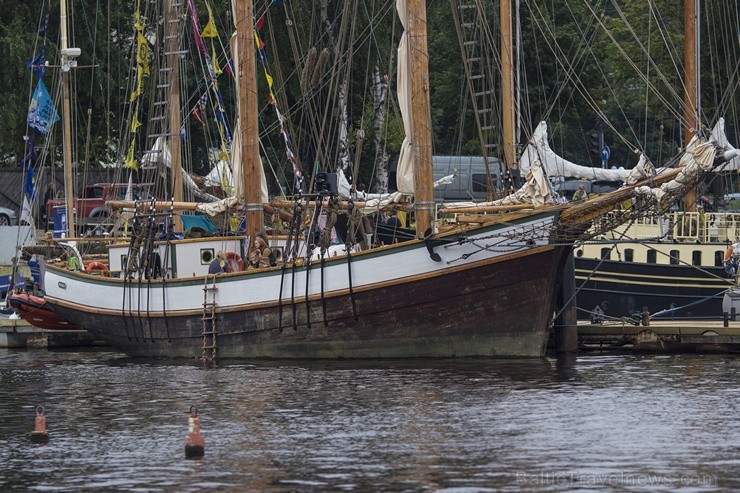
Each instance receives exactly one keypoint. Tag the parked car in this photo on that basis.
(91, 208)
(8, 217)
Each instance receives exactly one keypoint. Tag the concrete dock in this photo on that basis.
(21, 334)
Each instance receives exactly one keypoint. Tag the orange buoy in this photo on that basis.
(194, 443)
(39, 433)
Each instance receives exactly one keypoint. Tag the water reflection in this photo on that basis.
(119, 424)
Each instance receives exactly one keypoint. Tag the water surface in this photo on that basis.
(606, 423)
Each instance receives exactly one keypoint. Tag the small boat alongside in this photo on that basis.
(34, 310)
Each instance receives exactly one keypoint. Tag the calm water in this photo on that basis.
(618, 422)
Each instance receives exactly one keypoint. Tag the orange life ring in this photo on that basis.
(234, 262)
(96, 266)
(728, 253)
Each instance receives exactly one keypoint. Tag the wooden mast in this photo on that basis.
(251, 187)
(507, 87)
(173, 63)
(691, 119)
(421, 139)
(66, 122)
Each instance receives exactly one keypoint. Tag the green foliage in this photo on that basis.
(581, 61)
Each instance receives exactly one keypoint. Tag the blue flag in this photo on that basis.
(37, 64)
(41, 113)
(30, 184)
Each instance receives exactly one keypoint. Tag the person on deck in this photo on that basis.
(393, 220)
(261, 254)
(218, 264)
(580, 194)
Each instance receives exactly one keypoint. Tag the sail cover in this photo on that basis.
(539, 150)
(720, 137)
(405, 170)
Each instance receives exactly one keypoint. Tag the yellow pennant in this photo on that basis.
(130, 161)
(209, 31)
(135, 123)
(142, 53)
(214, 60)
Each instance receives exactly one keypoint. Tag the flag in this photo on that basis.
(210, 30)
(197, 115)
(27, 213)
(130, 162)
(42, 114)
(30, 184)
(37, 64)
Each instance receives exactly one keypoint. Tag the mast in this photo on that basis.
(507, 87)
(67, 62)
(421, 139)
(247, 75)
(691, 98)
(173, 62)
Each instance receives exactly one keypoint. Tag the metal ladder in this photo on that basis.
(210, 331)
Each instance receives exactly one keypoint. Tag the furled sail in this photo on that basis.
(719, 136)
(539, 150)
(405, 170)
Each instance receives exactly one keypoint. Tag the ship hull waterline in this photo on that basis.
(507, 314)
(488, 292)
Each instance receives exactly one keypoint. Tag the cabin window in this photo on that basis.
(629, 255)
(675, 257)
(719, 258)
(479, 182)
(606, 253)
(696, 257)
(652, 257)
(206, 255)
(124, 262)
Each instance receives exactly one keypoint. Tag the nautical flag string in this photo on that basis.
(214, 70)
(272, 101)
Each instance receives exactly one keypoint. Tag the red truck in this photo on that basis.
(91, 208)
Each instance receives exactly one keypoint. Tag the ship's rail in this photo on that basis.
(703, 227)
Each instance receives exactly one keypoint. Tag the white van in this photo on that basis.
(469, 182)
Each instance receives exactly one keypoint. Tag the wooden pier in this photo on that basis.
(664, 335)
(21, 334)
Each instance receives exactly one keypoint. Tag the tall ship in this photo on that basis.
(484, 286)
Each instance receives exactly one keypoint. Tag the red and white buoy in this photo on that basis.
(194, 443)
(39, 433)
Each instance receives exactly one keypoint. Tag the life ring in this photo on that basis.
(234, 262)
(96, 266)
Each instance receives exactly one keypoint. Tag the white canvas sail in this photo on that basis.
(539, 150)
(405, 170)
(719, 136)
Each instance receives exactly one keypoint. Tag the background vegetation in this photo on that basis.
(587, 66)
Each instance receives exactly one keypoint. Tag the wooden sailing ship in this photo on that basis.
(484, 288)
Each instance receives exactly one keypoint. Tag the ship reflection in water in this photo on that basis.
(618, 423)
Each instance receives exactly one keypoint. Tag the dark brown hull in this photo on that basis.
(498, 307)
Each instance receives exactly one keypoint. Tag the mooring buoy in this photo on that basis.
(39, 433)
(194, 442)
